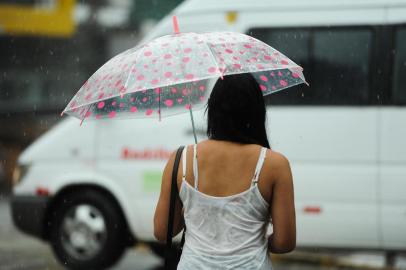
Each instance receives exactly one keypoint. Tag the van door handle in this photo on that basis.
(312, 209)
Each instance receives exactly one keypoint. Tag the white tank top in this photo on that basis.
(224, 232)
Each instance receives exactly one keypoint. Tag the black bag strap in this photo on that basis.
(169, 256)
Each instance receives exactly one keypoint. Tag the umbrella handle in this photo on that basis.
(175, 24)
(193, 123)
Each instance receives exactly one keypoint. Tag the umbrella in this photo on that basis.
(175, 73)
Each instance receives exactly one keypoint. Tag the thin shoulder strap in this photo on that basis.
(184, 152)
(195, 170)
(258, 168)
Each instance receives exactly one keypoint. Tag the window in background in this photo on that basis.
(24, 90)
(335, 60)
(399, 69)
(294, 43)
(341, 66)
(20, 91)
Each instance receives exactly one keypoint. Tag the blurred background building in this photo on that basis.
(48, 48)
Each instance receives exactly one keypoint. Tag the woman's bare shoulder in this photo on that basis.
(277, 158)
(277, 162)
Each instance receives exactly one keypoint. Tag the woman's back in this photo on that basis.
(226, 218)
(226, 208)
(227, 168)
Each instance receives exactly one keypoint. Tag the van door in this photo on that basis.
(133, 153)
(329, 133)
(393, 151)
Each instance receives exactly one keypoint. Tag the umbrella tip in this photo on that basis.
(62, 114)
(175, 24)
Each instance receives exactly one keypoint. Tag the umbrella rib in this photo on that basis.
(135, 61)
(214, 60)
(83, 119)
(159, 102)
(129, 74)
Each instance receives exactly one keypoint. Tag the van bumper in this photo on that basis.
(28, 213)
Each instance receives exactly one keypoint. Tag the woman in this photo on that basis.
(230, 186)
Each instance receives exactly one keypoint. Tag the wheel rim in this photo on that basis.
(83, 231)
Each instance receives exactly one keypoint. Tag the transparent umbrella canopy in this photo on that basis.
(176, 73)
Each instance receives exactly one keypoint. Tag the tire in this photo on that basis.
(87, 231)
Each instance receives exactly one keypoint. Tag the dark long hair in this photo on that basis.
(236, 111)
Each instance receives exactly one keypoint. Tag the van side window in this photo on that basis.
(297, 50)
(336, 63)
(399, 68)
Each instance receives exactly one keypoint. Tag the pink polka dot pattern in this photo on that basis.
(88, 114)
(283, 83)
(112, 114)
(263, 78)
(126, 86)
(169, 102)
(211, 69)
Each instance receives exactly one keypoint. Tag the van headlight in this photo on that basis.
(19, 172)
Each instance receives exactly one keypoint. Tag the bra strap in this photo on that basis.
(258, 168)
(195, 170)
(184, 163)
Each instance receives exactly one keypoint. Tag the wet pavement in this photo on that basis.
(21, 252)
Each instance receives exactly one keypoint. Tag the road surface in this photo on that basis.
(21, 252)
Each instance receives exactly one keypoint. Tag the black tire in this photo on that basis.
(112, 238)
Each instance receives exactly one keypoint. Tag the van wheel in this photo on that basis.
(87, 231)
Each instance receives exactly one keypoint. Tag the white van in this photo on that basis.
(91, 190)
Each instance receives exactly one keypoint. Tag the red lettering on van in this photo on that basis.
(145, 154)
